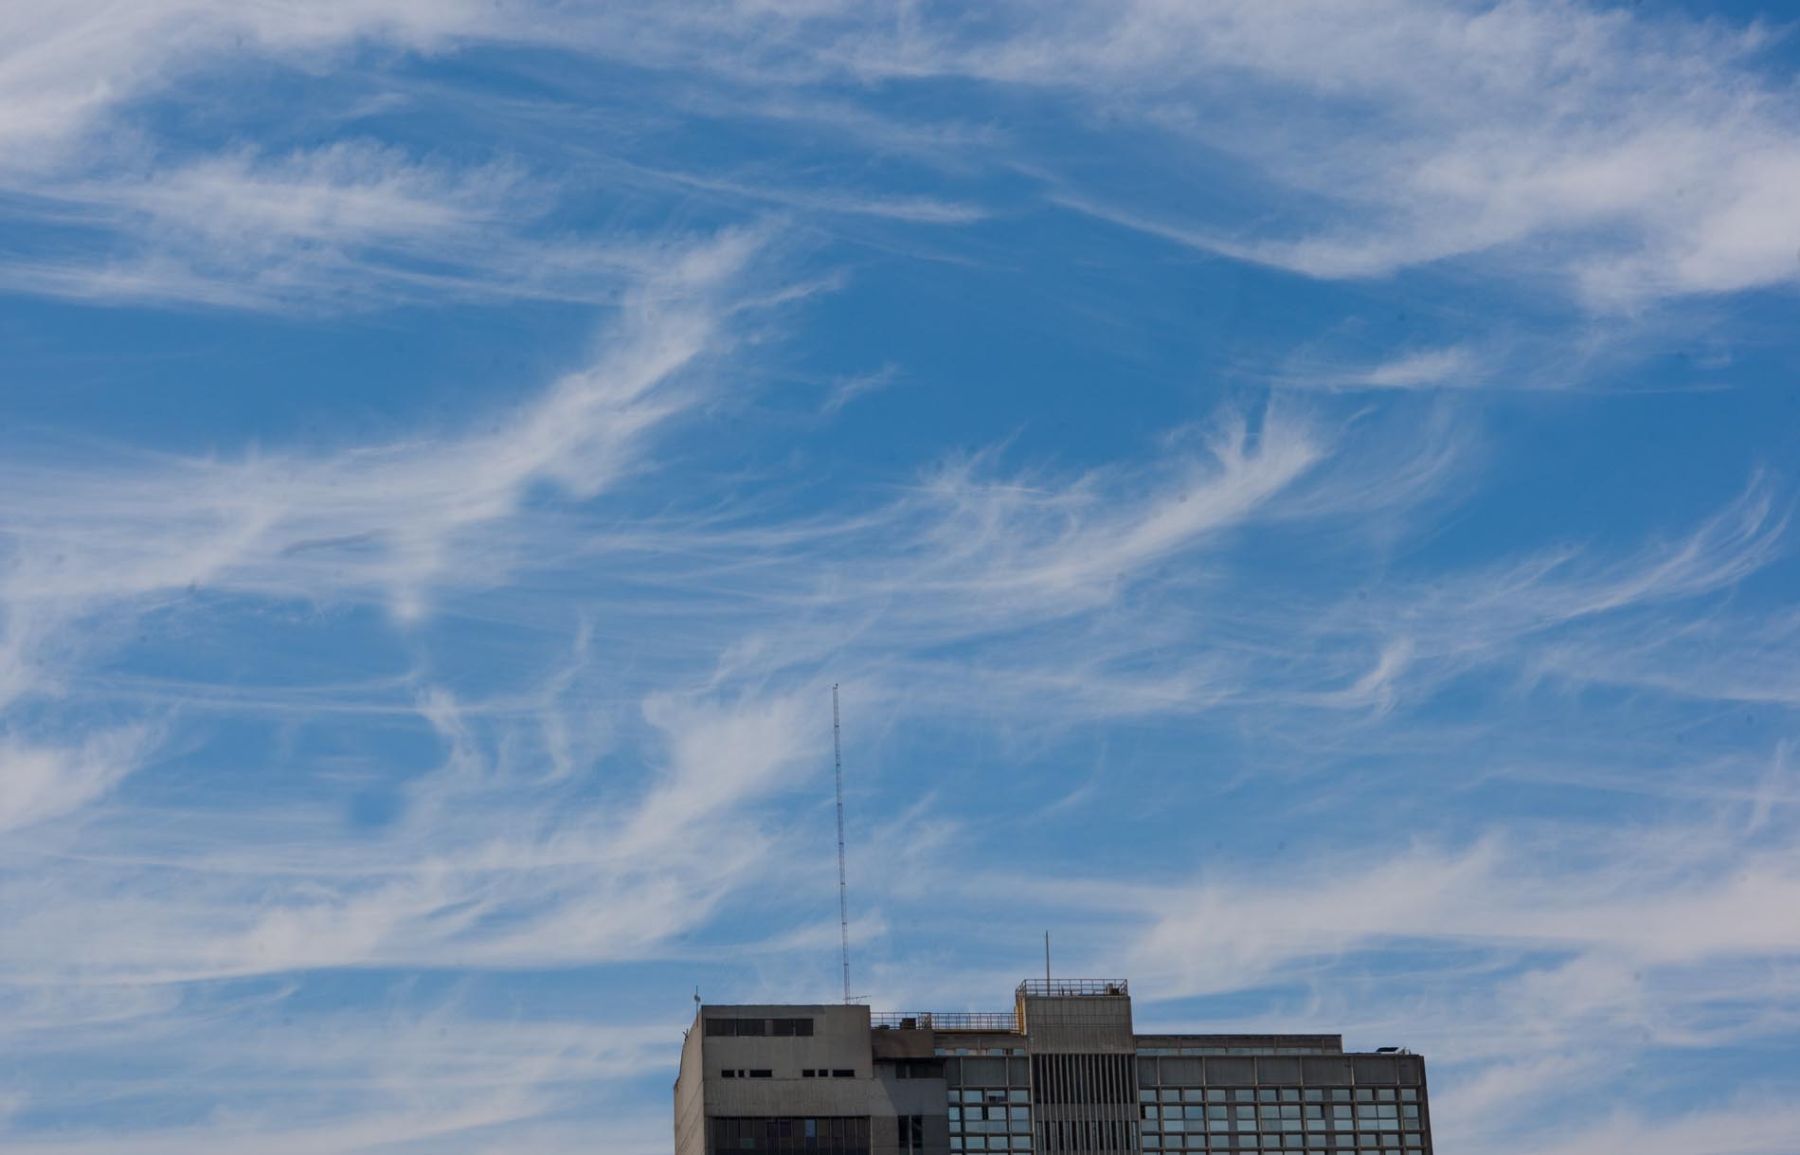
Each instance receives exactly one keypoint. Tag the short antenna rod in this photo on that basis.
(837, 763)
(1047, 990)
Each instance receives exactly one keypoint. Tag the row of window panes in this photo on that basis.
(978, 1050)
(826, 1135)
(1315, 1118)
(990, 1142)
(1239, 1051)
(1372, 1118)
(994, 1095)
(1339, 1112)
(1279, 1095)
(759, 1028)
(1390, 1145)
(1179, 1125)
(991, 1126)
(973, 1114)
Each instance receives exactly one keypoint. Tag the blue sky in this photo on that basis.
(1298, 499)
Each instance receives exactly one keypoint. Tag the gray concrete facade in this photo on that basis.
(830, 1073)
(1064, 1073)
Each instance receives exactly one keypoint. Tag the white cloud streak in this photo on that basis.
(1640, 158)
(1634, 160)
(1453, 368)
(64, 68)
(1637, 159)
(39, 782)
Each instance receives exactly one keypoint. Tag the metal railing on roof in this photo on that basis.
(1001, 1022)
(1074, 988)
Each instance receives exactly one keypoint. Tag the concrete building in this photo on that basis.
(1062, 1074)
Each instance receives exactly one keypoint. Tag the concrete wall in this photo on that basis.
(841, 1040)
(1100, 1025)
(690, 1102)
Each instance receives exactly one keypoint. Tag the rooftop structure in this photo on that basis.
(1063, 1073)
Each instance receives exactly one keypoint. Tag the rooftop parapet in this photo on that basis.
(1074, 988)
(997, 1022)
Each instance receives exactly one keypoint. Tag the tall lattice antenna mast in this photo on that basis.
(837, 763)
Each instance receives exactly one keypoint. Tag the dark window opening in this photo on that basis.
(821, 1136)
(788, 1028)
(759, 1028)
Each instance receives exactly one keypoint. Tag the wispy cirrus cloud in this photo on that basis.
(487, 866)
(1452, 368)
(1550, 132)
(351, 225)
(1482, 130)
(377, 521)
(89, 549)
(477, 868)
(1274, 687)
(40, 782)
(65, 70)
